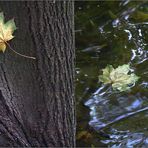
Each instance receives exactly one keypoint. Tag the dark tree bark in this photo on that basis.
(37, 96)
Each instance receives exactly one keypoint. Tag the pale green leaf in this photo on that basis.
(105, 78)
(120, 78)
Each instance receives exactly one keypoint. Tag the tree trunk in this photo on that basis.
(37, 96)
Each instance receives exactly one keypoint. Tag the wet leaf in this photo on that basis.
(6, 31)
(119, 78)
(84, 135)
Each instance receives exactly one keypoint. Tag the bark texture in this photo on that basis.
(37, 96)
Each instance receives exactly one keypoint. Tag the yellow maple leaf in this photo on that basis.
(6, 31)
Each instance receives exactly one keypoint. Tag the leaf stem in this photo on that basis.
(25, 56)
(22, 55)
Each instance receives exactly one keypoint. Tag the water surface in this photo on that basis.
(116, 33)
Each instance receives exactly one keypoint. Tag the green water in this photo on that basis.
(116, 33)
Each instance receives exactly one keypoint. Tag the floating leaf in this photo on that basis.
(6, 31)
(119, 78)
(105, 78)
(85, 135)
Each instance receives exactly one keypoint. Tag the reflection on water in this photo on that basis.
(117, 36)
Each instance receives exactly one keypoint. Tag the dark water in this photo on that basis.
(116, 33)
